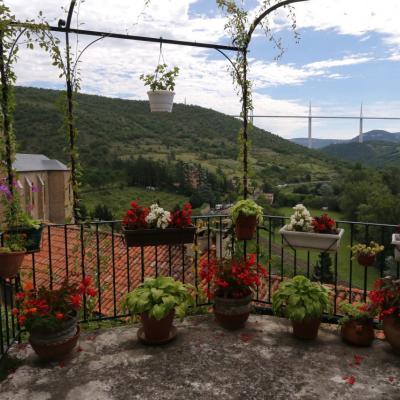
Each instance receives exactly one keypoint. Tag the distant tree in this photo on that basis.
(322, 269)
(102, 213)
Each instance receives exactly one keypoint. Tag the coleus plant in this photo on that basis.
(157, 297)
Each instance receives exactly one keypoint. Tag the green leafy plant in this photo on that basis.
(13, 242)
(357, 311)
(299, 298)
(161, 79)
(158, 297)
(248, 208)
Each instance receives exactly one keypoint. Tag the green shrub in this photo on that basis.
(158, 297)
(299, 298)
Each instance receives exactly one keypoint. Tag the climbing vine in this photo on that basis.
(13, 34)
(240, 29)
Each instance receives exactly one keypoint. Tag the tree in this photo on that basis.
(102, 213)
(322, 269)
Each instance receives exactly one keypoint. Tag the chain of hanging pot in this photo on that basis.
(159, 57)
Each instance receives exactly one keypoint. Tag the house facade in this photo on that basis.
(44, 188)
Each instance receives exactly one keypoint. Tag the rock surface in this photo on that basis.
(263, 361)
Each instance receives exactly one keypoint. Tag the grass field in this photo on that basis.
(118, 199)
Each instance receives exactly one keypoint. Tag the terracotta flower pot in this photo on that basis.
(245, 227)
(391, 327)
(54, 349)
(232, 313)
(306, 329)
(366, 260)
(10, 263)
(359, 333)
(156, 331)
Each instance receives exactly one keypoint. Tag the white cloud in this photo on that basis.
(112, 67)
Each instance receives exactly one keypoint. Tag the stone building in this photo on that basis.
(44, 188)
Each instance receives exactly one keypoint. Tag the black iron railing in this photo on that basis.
(97, 249)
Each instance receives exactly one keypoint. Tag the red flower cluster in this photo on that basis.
(386, 296)
(135, 217)
(181, 218)
(45, 308)
(231, 278)
(323, 224)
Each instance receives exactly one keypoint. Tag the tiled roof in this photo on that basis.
(68, 251)
(37, 162)
(104, 259)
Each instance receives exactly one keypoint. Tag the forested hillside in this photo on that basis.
(115, 129)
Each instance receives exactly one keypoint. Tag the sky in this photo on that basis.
(348, 54)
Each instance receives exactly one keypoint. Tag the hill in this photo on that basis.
(375, 154)
(375, 135)
(111, 129)
(317, 143)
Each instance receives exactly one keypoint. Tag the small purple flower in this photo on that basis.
(6, 191)
(35, 189)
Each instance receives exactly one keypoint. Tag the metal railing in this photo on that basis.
(97, 249)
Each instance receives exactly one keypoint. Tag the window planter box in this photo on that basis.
(157, 237)
(322, 242)
(396, 243)
(33, 237)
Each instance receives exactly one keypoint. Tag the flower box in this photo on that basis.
(157, 237)
(33, 237)
(396, 243)
(322, 242)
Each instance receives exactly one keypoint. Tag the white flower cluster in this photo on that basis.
(301, 220)
(158, 217)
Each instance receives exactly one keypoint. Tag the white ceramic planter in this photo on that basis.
(161, 100)
(321, 242)
(396, 243)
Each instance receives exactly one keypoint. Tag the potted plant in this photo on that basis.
(386, 296)
(305, 232)
(246, 214)
(357, 324)
(303, 302)
(51, 316)
(162, 84)
(230, 283)
(396, 243)
(31, 228)
(12, 254)
(155, 226)
(18, 221)
(366, 254)
(156, 301)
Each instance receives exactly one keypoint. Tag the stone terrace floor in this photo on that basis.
(205, 362)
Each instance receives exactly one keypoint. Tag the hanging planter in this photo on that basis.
(162, 84)
(366, 254)
(158, 237)
(246, 214)
(33, 237)
(305, 232)
(155, 226)
(396, 243)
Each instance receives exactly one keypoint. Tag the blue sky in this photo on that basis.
(349, 53)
